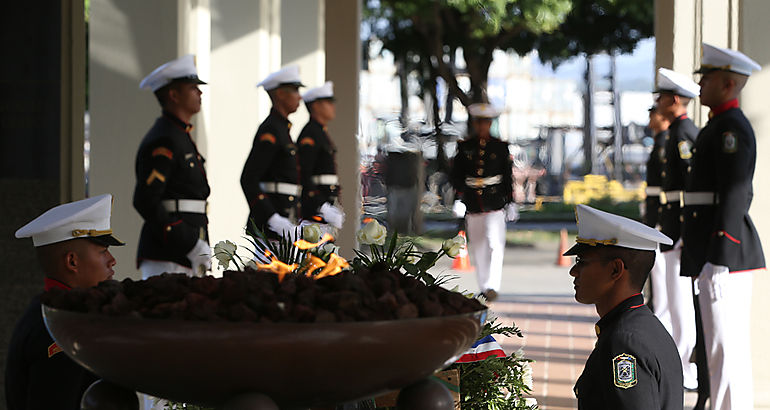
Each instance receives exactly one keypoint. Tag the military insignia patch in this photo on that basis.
(684, 150)
(163, 151)
(269, 138)
(53, 349)
(624, 370)
(729, 142)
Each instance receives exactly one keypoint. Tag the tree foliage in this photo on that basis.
(423, 34)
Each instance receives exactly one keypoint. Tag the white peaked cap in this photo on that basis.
(87, 218)
(288, 75)
(676, 83)
(181, 69)
(481, 110)
(597, 227)
(325, 91)
(725, 59)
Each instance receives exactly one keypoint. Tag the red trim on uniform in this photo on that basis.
(49, 284)
(682, 117)
(727, 235)
(637, 306)
(748, 270)
(166, 230)
(724, 107)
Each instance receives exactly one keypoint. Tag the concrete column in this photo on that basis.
(752, 40)
(343, 64)
(302, 43)
(128, 39)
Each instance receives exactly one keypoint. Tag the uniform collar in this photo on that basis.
(633, 302)
(277, 115)
(682, 117)
(724, 107)
(177, 122)
(49, 284)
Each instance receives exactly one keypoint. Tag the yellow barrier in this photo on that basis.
(596, 187)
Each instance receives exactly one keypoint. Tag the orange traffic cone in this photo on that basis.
(461, 261)
(562, 260)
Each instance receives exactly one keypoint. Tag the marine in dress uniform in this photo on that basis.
(635, 364)
(320, 184)
(482, 176)
(72, 242)
(675, 91)
(171, 184)
(721, 246)
(659, 127)
(271, 176)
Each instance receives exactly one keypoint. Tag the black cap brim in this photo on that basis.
(191, 79)
(576, 249)
(106, 240)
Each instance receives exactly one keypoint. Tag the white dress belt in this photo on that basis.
(483, 182)
(652, 190)
(283, 188)
(699, 198)
(325, 179)
(669, 196)
(195, 206)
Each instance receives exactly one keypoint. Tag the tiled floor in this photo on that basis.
(558, 335)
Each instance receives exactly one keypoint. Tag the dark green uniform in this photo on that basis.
(722, 232)
(635, 364)
(678, 153)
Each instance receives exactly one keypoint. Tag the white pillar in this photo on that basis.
(752, 40)
(343, 65)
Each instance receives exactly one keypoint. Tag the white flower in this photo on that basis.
(224, 251)
(329, 248)
(372, 234)
(453, 246)
(311, 233)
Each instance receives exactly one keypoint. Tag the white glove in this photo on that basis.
(511, 212)
(716, 276)
(200, 256)
(458, 208)
(333, 215)
(282, 226)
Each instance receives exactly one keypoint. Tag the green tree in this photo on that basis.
(424, 34)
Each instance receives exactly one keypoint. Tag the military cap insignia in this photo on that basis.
(684, 150)
(307, 141)
(267, 138)
(729, 142)
(163, 151)
(624, 370)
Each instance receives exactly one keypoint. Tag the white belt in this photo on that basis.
(195, 206)
(326, 179)
(669, 196)
(699, 198)
(483, 182)
(283, 188)
(652, 190)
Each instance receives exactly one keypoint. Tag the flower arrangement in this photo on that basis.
(493, 383)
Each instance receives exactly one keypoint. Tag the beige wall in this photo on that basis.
(681, 26)
(128, 39)
(237, 44)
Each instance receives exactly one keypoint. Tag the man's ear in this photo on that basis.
(71, 261)
(617, 267)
